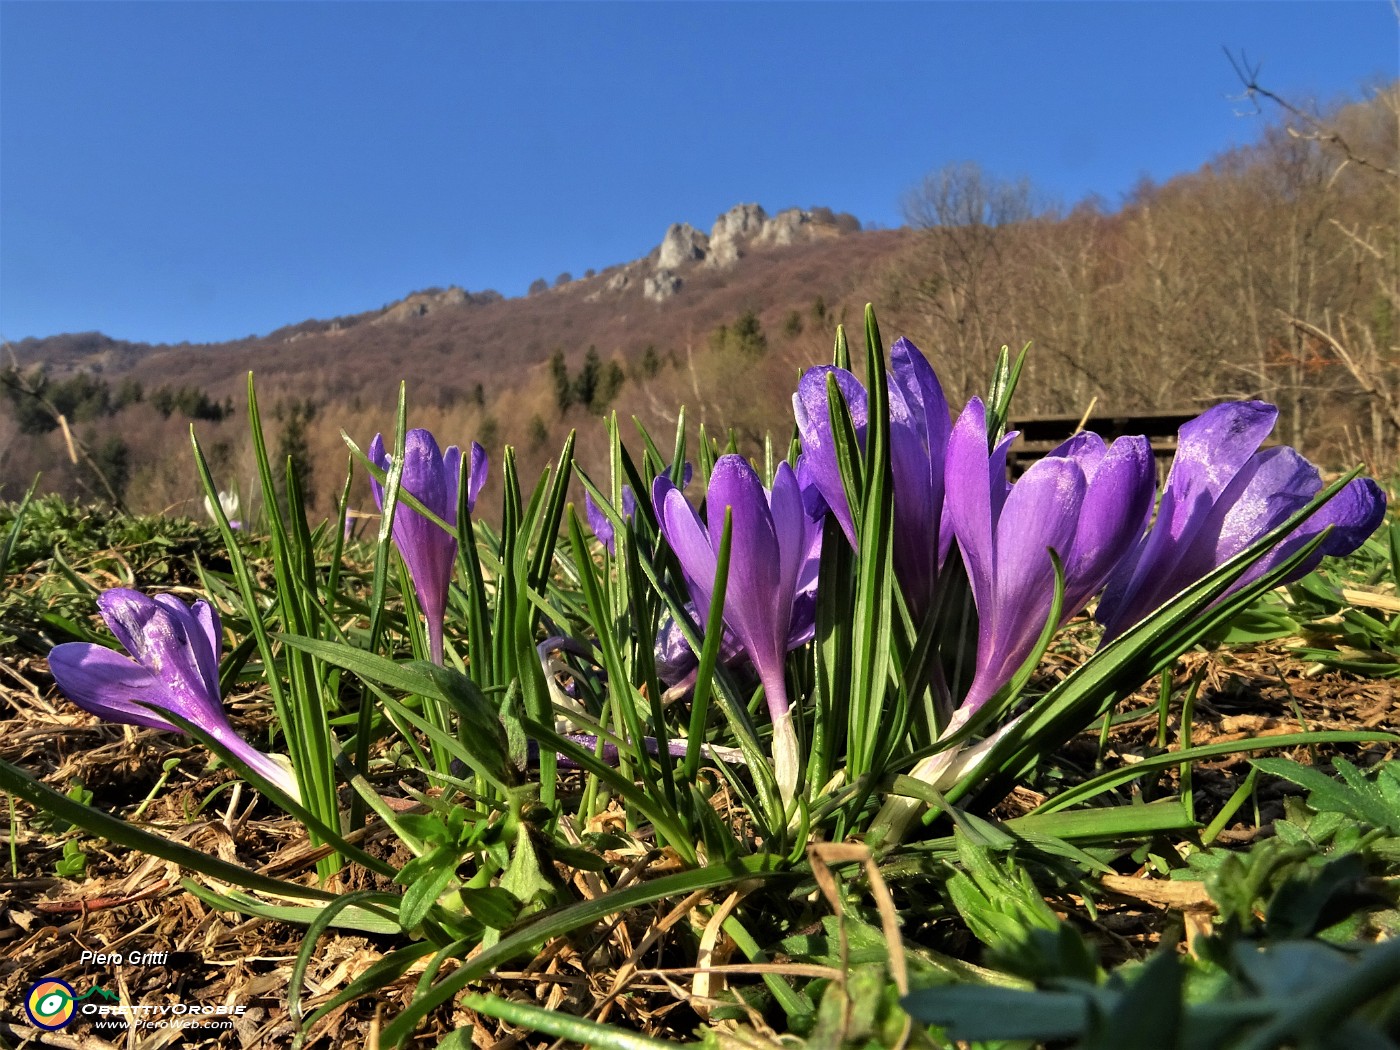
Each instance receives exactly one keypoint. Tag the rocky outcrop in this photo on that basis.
(682, 244)
(732, 231)
(787, 227)
(618, 281)
(661, 285)
(797, 226)
(743, 228)
(420, 304)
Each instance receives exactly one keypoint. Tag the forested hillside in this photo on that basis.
(1271, 272)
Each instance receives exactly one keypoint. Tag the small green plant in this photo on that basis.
(73, 863)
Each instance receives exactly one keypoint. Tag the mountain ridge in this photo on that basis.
(658, 275)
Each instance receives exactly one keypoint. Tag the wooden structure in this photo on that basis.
(1041, 434)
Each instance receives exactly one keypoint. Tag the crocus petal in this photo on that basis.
(815, 507)
(1121, 484)
(127, 614)
(200, 623)
(769, 541)
(970, 497)
(773, 543)
(791, 529)
(602, 525)
(1262, 492)
(176, 671)
(1211, 450)
(919, 431)
(427, 550)
(1086, 501)
(452, 483)
(1354, 514)
(1222, 495)
(686, 536)
(1086, 448)
(105, 683)
(812, 499)
(919, 428)
(1266, 490)
(599, 522)
(1040, 515)
(802, 628)
(1213, 447)
(914, 383)
(380, 458)
(674, 657)
(755, 605)
(431, 477)
(811, 406)
(476, 474)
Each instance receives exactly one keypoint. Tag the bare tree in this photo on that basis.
(78, 450)
(959, 280)
(1358, 149)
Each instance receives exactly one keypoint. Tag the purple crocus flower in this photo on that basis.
(431, 477)
(176, 669)
(1086, 501)
(1222, 494)
(602, 525)
(771, 540)
(919, 428)
(677, 663)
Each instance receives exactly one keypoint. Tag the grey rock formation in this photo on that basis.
(742, 228)
(683, 243)
(420, 304)
(787, 227)
(732, 231)
(661, 285)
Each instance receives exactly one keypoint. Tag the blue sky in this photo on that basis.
(203, 171)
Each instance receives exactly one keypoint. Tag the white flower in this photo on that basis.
(228, 502)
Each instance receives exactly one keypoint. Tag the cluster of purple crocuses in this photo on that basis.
(1088, 501)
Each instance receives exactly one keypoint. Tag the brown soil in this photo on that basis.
(128, 903)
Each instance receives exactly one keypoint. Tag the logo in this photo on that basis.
(49, 1003)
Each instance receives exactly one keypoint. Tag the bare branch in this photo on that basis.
(1317, 130)
(1361, 242)
(1363, 376)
